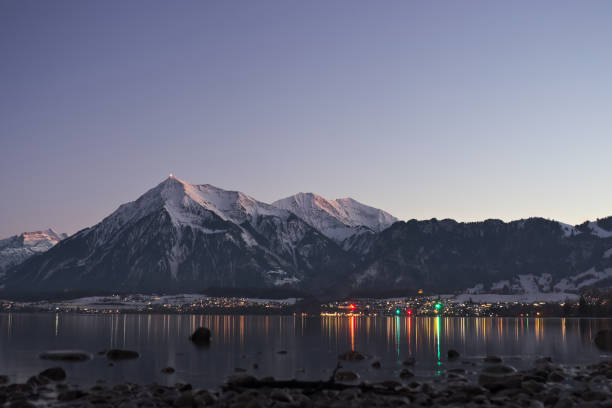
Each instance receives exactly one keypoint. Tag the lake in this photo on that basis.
(312, 344)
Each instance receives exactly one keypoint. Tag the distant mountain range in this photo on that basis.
(184, 237)
(18, 248)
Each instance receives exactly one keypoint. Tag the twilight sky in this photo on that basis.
(468, 110)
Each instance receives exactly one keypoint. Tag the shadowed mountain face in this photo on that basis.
(445, 255)
(179, 236)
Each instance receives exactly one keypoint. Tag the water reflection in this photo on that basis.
(312, 343)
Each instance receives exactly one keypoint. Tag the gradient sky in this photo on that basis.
(468, 110)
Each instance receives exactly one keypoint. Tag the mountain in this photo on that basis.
(179, 236)
(18, 248)
(348, 222)
(183, 237)
(526, 255)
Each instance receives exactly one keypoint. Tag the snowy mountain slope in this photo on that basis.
(338, 219)
(18, 248)
(179, 236)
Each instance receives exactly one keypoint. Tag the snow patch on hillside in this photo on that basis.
(588, 278)
(568, 230)
(598, 231)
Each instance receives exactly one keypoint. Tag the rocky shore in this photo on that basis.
(495, 385)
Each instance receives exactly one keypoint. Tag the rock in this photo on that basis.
(241, 380)
(346, 375)
(389, 384)
(38, 380)
(603, 340)
(499, 377)
(409, 362)
(201, 336)
(183, 387)
(168, 370)
(119, 354)
(556, 376)
(255, 366)
(352, 355)
(492, 359)
(66, 355)
(71, 395)
(54, 374)
(565, 402)
(205, 397)
(184, 400)
(4, 379)
(453, 354)
(281, 395)
(376, 365)
(282, 352)
(405, 374)
(543, 360)
(21, 404)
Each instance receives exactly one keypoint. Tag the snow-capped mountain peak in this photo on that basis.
(182, 235)
(18, 248)
(338, 219)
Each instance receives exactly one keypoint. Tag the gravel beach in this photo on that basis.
(496, 385)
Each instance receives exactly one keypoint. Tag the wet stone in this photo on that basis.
(405, 374)
(492, 359)
(119, 354)
(409, 361)
(346, 375)
(201, 336)
(71, 395)
(352, 355)
(54, 374)
(281, 395)
(453, 354)
(65, 355)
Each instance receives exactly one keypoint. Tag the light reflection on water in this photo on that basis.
(312, 344)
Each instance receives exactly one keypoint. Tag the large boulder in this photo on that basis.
(201, 336)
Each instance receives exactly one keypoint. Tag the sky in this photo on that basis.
(467, 110)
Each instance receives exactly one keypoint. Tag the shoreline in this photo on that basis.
(546, 384)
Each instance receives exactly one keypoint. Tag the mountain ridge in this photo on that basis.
(179, 236)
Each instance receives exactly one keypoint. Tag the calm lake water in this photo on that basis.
(312, 344)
